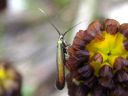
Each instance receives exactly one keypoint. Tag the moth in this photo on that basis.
(61, 54)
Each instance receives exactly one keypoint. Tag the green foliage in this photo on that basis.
(62, 3)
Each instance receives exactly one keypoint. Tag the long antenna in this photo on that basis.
(50, 21)
(71, 28)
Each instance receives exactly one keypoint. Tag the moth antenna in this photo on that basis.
(41, 10)
(71, 28)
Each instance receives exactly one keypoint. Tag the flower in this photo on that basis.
(10, 80)
(98, 60)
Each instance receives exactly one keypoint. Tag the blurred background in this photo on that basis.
(29, 41)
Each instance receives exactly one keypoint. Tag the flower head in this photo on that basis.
(10, 80)
(98, 60)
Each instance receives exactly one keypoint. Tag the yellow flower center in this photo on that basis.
(110, 48)
(3, 74)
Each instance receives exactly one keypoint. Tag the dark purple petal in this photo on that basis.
(105, 76)
(86, 71)
(71, 86)
(94, 28)
(80, 34)
(72, 64)
(98, 58)
(126, 45)
(79, 43)
(118, 91)
(88, 38)
(106, 82)
(121, 76)
(83, 55)
(106, 71)
(82, 90)
(71, 51)
(111, 26)
(90, 81)
(99, 91)
(118, 65)
(124, 29)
